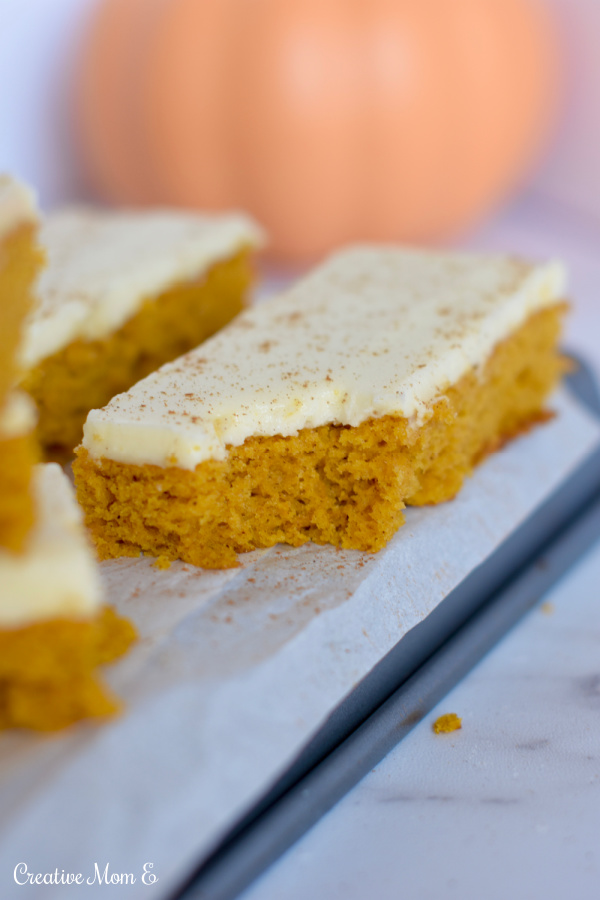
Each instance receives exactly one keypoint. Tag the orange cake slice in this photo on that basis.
(54, 631)
(18, 454)
(379, 380)
(20, 262)
(123, 293)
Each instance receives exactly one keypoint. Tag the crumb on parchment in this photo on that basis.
(162, 562)
(447, 723)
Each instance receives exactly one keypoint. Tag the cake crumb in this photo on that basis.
(547, 608)
(445, 724)
(162, 562)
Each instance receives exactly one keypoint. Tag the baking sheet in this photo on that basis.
(236, 670)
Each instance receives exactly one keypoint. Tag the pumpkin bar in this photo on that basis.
(379, 380)
(18, 454)
(122, 293)
(54, 631)
(20, 263)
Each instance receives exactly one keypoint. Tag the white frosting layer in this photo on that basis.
(103, 265)
(17, 205)
(57, 574)
(373, 331)
(18, 416)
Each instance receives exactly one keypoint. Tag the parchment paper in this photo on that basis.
(236, 670)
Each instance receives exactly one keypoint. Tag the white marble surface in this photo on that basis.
(510, 805)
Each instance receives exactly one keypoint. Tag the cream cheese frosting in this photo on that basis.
(373, 331)
(103, 265)
(18, 416)
(18, 205)
(57, 575)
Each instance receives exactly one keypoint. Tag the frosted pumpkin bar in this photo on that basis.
(379, 380)
(54, 631)
(20, 262)
(121, 294)
(18, 454)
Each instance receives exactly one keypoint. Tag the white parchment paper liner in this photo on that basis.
(237, 669)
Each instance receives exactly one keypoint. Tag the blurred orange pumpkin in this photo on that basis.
(329, 120)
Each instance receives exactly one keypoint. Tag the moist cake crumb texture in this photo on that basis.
(447, 723)
(20, 263)
(18, 454)
(48, 670)
(102, 266)
(86, 373)
(121, 294)
(54, 632)
(378, 381)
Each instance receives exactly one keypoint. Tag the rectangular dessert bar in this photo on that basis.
(54, 630)
(20, 262)
(18, 454)
(123, 293)
(379, 380)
